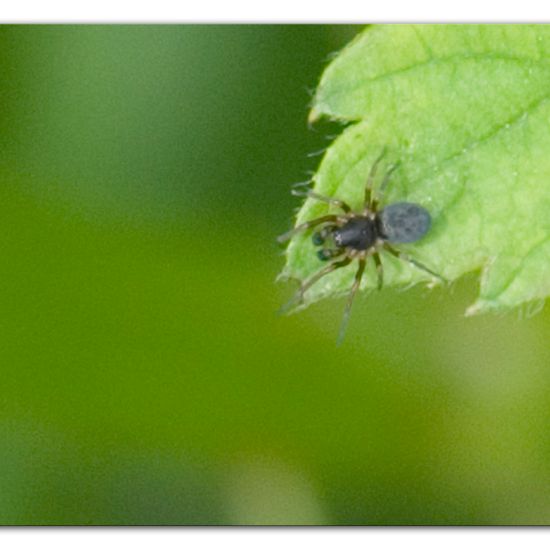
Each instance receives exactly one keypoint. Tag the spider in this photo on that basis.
(360, 235)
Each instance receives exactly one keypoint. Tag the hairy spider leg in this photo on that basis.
(302, 227)
(329, 200)
(308, 283)
(417, 264)
(353, 290)
(379, 269)
(375, 201)
(370, 179)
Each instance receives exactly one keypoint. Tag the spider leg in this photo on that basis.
(370, 178)
(373, 205)
(379, 270)
(303, 226)
(416, 263)
(353, 290)
(308, 283)
(329, 200)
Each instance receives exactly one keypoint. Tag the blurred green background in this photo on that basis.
(145, 375)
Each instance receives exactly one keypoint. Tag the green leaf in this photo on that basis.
(465, 110)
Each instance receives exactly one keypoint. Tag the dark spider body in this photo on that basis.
(359, 235)
(401, 222)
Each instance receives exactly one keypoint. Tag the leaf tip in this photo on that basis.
(481, 306)
(314, 116)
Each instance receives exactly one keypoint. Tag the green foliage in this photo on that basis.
(466, 111)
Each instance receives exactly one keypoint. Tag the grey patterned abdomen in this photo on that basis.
(404, 222)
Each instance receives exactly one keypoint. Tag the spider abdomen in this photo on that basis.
(359, 233)
(403, 222)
